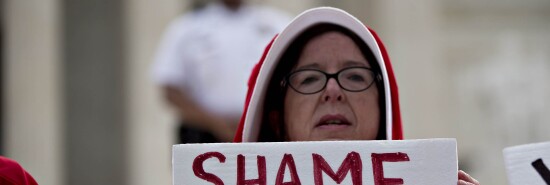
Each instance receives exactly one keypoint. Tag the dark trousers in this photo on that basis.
(189, 134)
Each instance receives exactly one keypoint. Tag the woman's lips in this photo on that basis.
(333, 122)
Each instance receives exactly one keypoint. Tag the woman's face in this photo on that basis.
(333, 113)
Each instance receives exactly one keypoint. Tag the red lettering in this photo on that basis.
(287, 160)
(352, 163)
(199, 170)
(378, 168)
(241, 171)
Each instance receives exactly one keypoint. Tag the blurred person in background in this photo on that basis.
(203, 63)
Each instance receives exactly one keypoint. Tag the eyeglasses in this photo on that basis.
(311, 81)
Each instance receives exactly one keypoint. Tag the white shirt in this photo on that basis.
(210, 53)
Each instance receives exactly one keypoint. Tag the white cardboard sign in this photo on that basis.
(528, 164)
(421, 162)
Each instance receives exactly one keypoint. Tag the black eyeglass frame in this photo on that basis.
(376, 78)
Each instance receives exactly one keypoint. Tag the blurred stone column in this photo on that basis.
(150, 128)
(290, 6)
(95, 122)
(33, 132)
(412, 39)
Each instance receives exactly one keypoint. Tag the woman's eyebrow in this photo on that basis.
(351, 63)
(308, 66)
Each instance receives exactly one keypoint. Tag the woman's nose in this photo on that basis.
(333, 91)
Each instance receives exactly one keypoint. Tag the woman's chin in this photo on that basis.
(333, 138)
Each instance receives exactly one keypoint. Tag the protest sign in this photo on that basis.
(422, 162)
(528, 164)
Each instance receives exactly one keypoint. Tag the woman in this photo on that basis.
(325, 77)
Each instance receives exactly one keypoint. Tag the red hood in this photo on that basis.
(250, 123)
(11, 173)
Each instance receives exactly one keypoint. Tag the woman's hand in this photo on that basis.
(465, 179)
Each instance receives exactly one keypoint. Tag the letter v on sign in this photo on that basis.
(542, 170)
